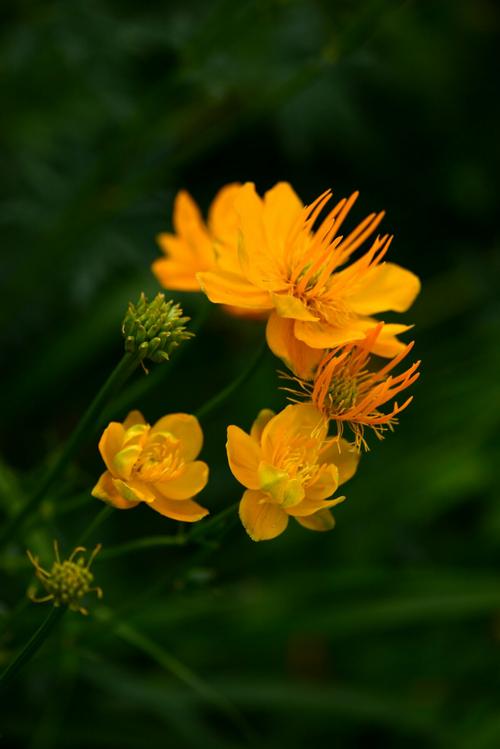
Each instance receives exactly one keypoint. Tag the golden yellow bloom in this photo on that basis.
(194, 245)
(346, 391)
(289, 468)
(68, 582)
(300, 276)
(154, 464)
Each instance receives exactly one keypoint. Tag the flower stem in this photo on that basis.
(149, 542)
(33, 644)
(227, 392)
(88, 422)
(101, 516)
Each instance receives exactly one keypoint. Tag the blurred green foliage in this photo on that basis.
(384, 633)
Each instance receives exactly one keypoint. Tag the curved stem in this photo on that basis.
(150, 542)
(33, 645)
(101, 516)
(89, 421)
(227, 392)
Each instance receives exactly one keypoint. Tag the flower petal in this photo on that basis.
(186, 510)
(291, 307)
(322, 520)
(230, 288)
(385, 287)
(134, 491)
(325, 484)
(277, 484)
(106, 490)
(298, 356)
(344, 455)
(184, 427)
(261, 519)
(133, 419)
(263, 418)
(309, 507)
(302, 422)
(223, 220)
(191, 481)
(172, 274)
(321, 335)
(189, 225)
(282, 206)
(243, 454)
(124, 461)
(111, 442)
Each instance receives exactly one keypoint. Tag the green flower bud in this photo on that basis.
(154, 329)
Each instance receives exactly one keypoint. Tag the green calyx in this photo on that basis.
(154, 329)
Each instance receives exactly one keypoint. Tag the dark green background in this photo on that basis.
(386, 632)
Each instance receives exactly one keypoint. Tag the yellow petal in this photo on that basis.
(298, 356)
(243, 454)
(309, 507)
(320, 521)
(249, 207)
(233, 289)
(223, 220)
(111, 442)
(387, 344)
(124, 461)
(325, 483)
(344, 455)
(133, 419)
(280, 211)
(278, 485)
(134, 491)
(186, 510)
(261, 519)
(301, 422)
(177, 276)
(189, 225)
(385, 287)
(106, 490)
(184, 427)
(260, 422)
(190, 482)
(321, 335)
(290, 306)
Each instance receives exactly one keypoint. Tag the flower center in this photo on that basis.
(342, 394)
(160, 459)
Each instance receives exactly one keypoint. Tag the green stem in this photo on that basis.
(33, 644)
(227, 392)
(101, 516)
(88, 422)
(171, 664)
(141, 543)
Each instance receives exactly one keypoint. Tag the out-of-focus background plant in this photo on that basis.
(385, 632)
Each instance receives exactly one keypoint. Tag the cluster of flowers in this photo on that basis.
(274, 258)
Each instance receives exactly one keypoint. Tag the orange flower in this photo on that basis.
(300, 276)
(344, 390)
(156, 465)
(289, 468)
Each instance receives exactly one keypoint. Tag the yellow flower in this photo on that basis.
(289, 468)
(301, 276)
(156, 465)
(345, 391)
(194, 245)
